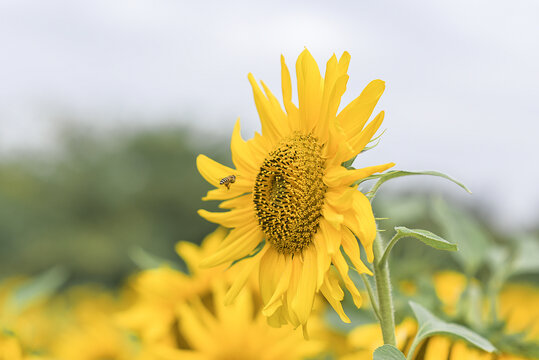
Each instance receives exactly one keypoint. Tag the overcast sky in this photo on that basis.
(461, 76)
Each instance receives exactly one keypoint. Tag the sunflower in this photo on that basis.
(158, 291)
(207, 329)
(294, 209)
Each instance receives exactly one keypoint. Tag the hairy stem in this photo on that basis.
(372, 298)
(383, 287)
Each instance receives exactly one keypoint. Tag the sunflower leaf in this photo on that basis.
(388, 352)
(382, 178)
(348, 163)
(429, 324)
(461, 228)
(424, 236)
(527, 251)
(427, 238)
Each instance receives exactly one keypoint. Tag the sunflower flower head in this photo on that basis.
(294, 209)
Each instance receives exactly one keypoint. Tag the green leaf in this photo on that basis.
(37, 289)
(460, 228)
(348, 163)
(374, 141)
(382, 178)
(429, 324)
(526, 256)
(427, 238)
(388, 352)
(404, 209)
(258, 248)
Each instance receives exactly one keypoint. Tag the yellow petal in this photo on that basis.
(304, 298)
(361, 221)
(332, 216)
(276, 299)
(323, 260)
(224, 194)
(335, 81)
(240, 242)
(344, 62)
(230, 219)
(271, 266)
(277, 319)
(241, 201)
(334, 294)
(355, 115)
(277, 111)
(351, 248)
(358, 142)
(189, 252)
(212, 171)
(340, 176)
(192, 328)
(309, 90)
(322, 128)
(270, 125)
(239, 187)
(342, 267)
(292, 291)
(332, 236)
(242, 156)
(340, 198)
(246, 268)
(291, 109)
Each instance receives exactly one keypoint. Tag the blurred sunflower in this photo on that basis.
(209, 330)
(291, 197)
(10, 348)
(85, 330)
(364, 339)
(157, 292)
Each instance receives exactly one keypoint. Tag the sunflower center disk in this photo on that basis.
(289, 193)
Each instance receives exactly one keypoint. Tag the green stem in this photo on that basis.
(383, 287)
(392, 243)
(374, 304)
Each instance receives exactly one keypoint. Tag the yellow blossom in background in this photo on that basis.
(183, 316)
(449, 286)
(209, 330)
(364, 339)
(85, 329)
(517, 303)
(289, 192)
(159, 291)
(444, 348)
(10, 348)
(519, 307)
(25, 319)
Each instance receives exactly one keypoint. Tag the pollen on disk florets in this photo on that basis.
(289, 193)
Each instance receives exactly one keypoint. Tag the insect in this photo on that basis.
(226, 181)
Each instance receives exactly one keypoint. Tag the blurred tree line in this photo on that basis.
(88, 205)
(103, 203)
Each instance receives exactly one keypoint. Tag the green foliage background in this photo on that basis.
(102, 206)
(87, 205)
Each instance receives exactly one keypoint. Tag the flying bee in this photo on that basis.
(226, 181)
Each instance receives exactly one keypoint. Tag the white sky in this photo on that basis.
(462, 76)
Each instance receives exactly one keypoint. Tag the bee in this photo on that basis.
(226, 181)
